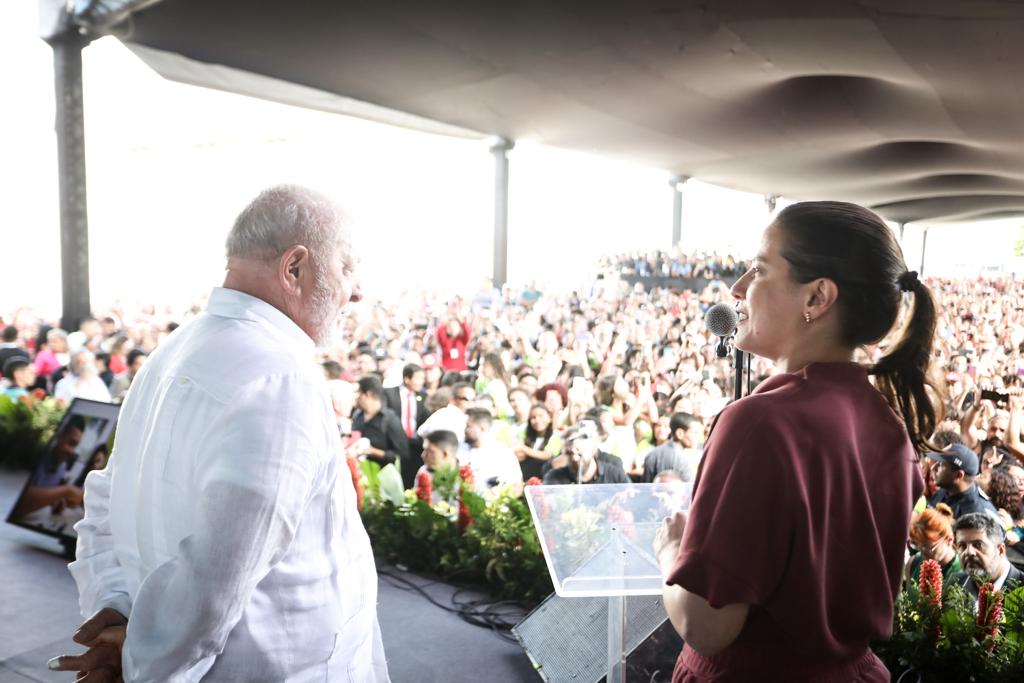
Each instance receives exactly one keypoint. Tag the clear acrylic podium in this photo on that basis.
(597, 541)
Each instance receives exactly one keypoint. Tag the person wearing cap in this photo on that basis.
(954, 470)
(584, 463)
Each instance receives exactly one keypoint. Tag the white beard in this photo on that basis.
(325, 317)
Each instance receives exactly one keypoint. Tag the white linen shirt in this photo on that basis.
(221, 526)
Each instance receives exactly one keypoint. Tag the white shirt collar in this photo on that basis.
(231, 303)
(998, 583)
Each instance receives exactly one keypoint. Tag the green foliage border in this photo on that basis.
(499, 551)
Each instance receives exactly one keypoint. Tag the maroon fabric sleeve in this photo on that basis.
(737, 537)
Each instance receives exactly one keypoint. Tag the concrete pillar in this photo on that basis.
(500, 149)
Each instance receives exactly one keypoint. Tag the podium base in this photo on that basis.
(567, 641)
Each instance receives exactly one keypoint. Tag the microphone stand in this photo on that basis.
(722, 350)
(737, 364)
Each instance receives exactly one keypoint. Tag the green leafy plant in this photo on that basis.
(26, 425)
(492, 544)
(952, 642)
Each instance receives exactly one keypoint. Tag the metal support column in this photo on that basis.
(500, 149)
(74, 222)
(903, 227)
(769, 202)
(676, 182)
(924, 250)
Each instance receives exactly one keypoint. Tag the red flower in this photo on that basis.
(466, 475)
(931, 582)
(357, 480)
(38, 394)
(465, 519)
(990, 613)
(931, 596)
(533, 481)
(424, 486)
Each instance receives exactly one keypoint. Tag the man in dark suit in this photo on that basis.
(407, 402)
(982, 551)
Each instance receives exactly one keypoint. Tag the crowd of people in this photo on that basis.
(616, 384)
(513, 387)
(675, 264)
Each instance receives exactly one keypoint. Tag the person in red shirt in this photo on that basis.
(453, 338)
(789, 561)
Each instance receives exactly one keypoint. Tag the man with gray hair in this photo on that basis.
(221, 531)
(83, 379)
(981, 545)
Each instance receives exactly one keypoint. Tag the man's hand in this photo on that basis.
(71, 496)
(666, 541)
(103, 633)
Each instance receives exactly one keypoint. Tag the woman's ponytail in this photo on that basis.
(902, 375)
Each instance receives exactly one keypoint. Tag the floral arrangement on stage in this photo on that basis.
(938, 635)
(442, 527)
(26, 425)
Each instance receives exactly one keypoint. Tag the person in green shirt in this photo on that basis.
(931, 532)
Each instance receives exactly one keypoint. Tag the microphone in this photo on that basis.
(721, 320)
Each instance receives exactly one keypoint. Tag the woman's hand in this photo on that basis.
(667, 540)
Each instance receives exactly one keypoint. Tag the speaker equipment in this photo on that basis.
(567, 639)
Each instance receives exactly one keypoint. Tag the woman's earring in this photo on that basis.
(807, 317)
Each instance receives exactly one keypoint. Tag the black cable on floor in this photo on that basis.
(497, 615)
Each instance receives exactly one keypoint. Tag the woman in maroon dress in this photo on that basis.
(789, 560)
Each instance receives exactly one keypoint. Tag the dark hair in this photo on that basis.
(524, 370)
(410, 369)
(479, 416)
(983, 521)
(10, 334)
(331, 367)
(1003, 491)
(494, 360)
(520, 390)
(14, 364)
(594, 415)
(531, 435)
(854, 248)
(604, 392)
(371, 385)
(945, 438)
(680, 421)
(449, 379)
(76, 421)
(443, 439)
(572, 372)
(41, 336)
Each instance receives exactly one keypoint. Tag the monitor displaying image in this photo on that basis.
(51, 501)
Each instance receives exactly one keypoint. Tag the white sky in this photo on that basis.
(170, 165)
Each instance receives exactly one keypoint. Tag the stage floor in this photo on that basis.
(424, 643)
